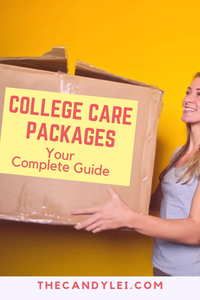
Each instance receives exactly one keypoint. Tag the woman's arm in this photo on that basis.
(116, 214)
(186, 231)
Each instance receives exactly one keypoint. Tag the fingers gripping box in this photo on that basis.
(66, 138)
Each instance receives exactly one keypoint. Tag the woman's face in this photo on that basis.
(191, 103)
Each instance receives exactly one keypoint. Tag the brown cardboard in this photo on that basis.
(55, 60)
(88, 70)
(50, 201)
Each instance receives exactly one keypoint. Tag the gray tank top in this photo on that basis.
(174, 258)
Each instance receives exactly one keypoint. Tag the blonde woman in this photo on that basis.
(177, 230)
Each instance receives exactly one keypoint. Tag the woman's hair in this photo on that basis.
(192, 167)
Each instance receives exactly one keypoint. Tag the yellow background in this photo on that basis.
(152, 41)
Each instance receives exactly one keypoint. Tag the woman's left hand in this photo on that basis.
(113, 214)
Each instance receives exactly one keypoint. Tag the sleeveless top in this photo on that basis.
(173, 258)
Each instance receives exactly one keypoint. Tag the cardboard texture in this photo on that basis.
(55, 60)
(41, 200)
(87, 70)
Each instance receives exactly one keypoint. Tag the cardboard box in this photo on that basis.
(55, 60)
(50, 200)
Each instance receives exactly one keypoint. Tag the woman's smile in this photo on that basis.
(189, 109)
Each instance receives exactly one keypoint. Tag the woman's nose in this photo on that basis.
(189, 99)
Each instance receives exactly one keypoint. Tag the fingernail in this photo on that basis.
(78, 225)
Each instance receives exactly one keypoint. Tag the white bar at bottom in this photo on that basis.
(98, 288)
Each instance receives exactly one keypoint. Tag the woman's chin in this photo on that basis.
(189, 119)
(184, 118)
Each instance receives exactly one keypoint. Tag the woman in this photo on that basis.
(177, 230)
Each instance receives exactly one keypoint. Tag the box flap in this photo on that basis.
(55, 60)
(87, 70)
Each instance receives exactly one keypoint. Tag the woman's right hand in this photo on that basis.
(115, 213)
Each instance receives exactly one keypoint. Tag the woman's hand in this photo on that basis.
(113, 214)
